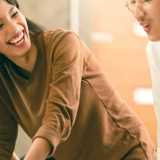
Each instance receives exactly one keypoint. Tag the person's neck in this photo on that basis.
(27, 61)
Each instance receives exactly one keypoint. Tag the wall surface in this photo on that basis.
(50, 13)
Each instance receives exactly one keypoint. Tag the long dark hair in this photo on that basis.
(33, 27)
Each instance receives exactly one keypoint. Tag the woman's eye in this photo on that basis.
(1, 26)
(132, 1)
(14, 14)
(147, 0)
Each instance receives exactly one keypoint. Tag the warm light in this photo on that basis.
(138, 30)
(143, 96)
(74, 15)
(102, 37)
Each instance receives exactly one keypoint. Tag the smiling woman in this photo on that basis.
(13, 31)
(52, 85)
(14, 36)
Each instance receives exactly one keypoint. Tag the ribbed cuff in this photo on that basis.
(50, 137)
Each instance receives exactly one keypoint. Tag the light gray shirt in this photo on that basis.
(153, 54)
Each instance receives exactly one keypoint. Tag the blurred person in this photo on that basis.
(51, 85)
(147, 13)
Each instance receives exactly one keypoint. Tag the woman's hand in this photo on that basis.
(39, 149)
(14, 156)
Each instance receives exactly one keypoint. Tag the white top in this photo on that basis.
(153, 53)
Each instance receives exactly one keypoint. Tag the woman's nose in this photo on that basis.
(11, 28)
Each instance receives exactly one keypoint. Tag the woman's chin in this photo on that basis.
(154, 37)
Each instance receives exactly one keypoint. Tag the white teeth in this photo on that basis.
(17, 39)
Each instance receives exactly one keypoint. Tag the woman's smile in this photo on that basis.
(17, 39)
(14, 34)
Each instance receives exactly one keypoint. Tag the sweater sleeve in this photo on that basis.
(8, 132)
(64, 91)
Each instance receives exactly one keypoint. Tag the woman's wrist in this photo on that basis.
(39, 149)
(14, 156)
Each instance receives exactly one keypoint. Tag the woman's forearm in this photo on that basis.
(39, 149)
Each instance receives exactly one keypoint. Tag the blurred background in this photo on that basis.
(113, 35)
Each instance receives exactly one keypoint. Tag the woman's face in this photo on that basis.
(147, 13)
(14, 34)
